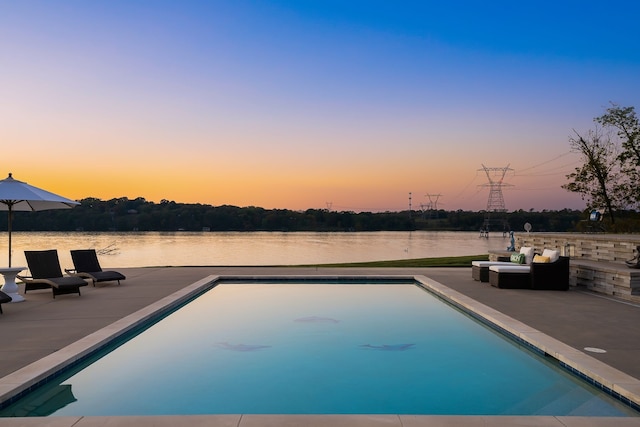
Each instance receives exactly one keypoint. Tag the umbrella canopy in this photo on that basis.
(19, 196)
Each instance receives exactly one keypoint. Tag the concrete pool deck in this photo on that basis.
(41, 325)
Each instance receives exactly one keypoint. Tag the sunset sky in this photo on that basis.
(347, 104)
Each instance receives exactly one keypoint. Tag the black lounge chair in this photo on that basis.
(4, 298)
(87, 266)
(44, 267)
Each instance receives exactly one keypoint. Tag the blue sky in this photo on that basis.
(302, 104)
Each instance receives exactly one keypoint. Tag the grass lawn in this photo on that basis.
(459, 261)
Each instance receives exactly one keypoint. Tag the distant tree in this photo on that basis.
(625, 121)
(598, 180)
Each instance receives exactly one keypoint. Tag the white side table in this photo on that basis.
(10, 288)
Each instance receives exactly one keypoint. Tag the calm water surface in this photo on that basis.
(313, 348)
(144, 249)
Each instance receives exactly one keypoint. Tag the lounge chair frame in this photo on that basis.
(4, 298)
(44, 267)
(87, 266)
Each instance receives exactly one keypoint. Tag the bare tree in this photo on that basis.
(598, 180)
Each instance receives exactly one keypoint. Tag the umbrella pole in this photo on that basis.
(9, 228)
(10, 288)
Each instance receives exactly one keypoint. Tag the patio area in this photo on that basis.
(42, 325)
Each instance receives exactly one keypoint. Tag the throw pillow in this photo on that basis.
(528, 254)
(553, 255)
(517, 258)
(541, 259)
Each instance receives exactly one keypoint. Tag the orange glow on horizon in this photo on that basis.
(365, 190)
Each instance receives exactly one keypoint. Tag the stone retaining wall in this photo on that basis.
(597, 260)
(596, 247)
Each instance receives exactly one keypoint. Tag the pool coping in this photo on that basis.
(598, 373)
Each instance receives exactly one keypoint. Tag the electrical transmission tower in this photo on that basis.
(433, 205)
(496, 211)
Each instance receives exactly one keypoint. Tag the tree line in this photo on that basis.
(123, 214)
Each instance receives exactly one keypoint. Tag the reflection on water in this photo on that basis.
(43, 402)
(250, 248)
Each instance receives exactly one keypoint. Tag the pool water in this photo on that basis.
(307, 348)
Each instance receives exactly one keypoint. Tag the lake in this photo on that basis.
(144, 249)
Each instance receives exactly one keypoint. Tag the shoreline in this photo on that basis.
(430, 262)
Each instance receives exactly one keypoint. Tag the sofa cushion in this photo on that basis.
(552, 254)
(513, 268)
(487, 264)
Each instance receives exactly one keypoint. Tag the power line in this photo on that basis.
(467, 186)
(546, 161)
(548, 171)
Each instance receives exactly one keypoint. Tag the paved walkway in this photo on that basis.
(41, 325)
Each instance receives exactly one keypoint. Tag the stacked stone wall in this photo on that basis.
(597, 260)
(596, 247)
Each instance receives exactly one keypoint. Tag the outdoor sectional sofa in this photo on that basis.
(546, 271)
(538, 275)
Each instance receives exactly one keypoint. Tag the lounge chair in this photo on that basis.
(87, 266)
(44, 267)
(4, 298)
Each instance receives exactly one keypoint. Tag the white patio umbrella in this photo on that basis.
(19, 196)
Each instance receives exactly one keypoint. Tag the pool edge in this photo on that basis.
(33, 375)
(611, 380)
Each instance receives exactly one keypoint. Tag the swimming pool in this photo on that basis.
(375, 347)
